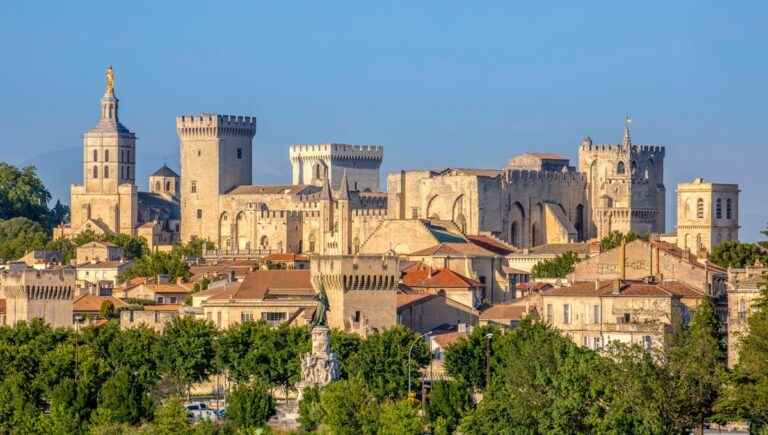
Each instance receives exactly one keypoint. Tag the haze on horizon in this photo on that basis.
(438, 84)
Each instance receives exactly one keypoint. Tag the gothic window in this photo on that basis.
(719, 208)
(199, 213)
(264, 242)
(239, 153)
(620, 168)
(167, 186)
(700, 208)
(157, 186)
(633, 167)
(728, 209)
(95, 155)
(106, 171)
(95, 171)
(106, 155)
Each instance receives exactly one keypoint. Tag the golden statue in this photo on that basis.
(110, 80)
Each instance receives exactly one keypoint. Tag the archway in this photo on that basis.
(225, 232)
(579, 222)
(242, 228)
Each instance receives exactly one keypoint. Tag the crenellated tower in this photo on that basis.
(311, 164)
(216, 156)
(625, 186)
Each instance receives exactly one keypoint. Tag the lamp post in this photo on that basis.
(78, 318)
(426, 334)
(488, 337)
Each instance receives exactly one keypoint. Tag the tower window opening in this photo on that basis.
(106, 171)
(194, 186)
(239, 153)
(700, 208)
(719, 208)
(199, 213)
(95, 171)
(620, 168)
(106, 155)
(95, 155)
(728, 209)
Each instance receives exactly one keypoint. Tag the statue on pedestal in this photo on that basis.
(320, 366)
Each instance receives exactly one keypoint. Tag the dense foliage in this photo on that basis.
(557, 267)
(737, 254)
(614, 239)
(22, 194)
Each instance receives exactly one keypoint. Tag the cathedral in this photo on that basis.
(108, 200)
(334, 203)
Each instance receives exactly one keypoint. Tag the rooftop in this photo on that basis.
(164, 171)
(451, 249)
(503, 312)
(421, 275)
(270, 284)
(93, 302)
(627, 288)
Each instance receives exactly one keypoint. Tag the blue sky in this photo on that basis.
(437, 83)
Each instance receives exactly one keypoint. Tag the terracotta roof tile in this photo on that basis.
(262, 284)
(494, 245)
(503, 312)
(93, 302)
(425, 276)
(286, 257)
(629, 288)
(163, 307)
(447, 249)
(168, 288)
(405, 300)
(447, 338)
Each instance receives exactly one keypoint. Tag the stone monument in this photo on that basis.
(320, 366)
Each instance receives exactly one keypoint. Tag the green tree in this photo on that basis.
(745, 396)
(349, 408)
(737, 254)
(382, 362)
(123, 399)
(697, 365)
(310, 409)
(171, 264)
(61, 420)
(22, 194)
(344, 345)
(171, 418)
(107, 310)
(614, 238)
(448, 401)
(250, 405)
(186, 352)
(401, 418)
(59, 214)
(465, 359)
(194, 248)
(20, 235)
(557, 267)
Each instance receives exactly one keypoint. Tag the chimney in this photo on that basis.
(623, 260)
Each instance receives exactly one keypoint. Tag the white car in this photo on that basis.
(199, 411)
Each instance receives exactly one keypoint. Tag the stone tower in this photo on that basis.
(164, 182)
(707, 215)
(361, 289)
(335, 219)
(625, 186)
(311, 164)
(107, 197)
(216, 156)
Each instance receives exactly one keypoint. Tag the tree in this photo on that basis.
(61, 420)
(59, 214)
(194, 248)
(614, 239)
(171, 418)
(382, 362)
(186, 351)
(557, 267)
(107, 310)
(310, 409)
(745, 396)
(250, 405)
(349, 408)
(465, 359)
(20, 235)
(697, 364)
(344, 345)
(448, 401)
(737, 254)
(123, 399)
(22, 194)
(401, 418)
(158, 263)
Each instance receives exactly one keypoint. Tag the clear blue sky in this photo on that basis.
(444, 83)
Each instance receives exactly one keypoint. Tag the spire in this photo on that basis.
(627, 137)
(344, 188)
(326, 194)
(109, 102)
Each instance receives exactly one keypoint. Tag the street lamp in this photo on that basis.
(426, 334)
(78, 318)
(488, 337)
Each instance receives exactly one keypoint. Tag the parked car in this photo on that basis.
(198, 411)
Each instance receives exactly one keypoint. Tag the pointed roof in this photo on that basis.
(164, 171)
(344, 188)
(627, 137)
(326, 192)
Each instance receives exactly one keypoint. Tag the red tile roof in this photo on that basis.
(263, 284)
(286, 257)
(405, 300)
(503, 312)
(535, 286)
(451, 248)
(93, 302)
(424, 276)
(163, 307)
(447, 338)
(491, 244)
(629, 288)
(168, 288)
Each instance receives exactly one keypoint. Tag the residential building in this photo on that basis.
(744, 287)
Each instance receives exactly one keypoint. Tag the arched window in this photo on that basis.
(167, 186)
(95, 171)
(95, 155)
(620, 168)
(634, 166)
(157, 186)
(106, 155)
(106, 171)
(728, 209)
(700, 208)
(719, 208)
(311, 242)
(264, 242)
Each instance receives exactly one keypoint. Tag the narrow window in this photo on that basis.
(199, 213)
(106, 155)
(620, 168)
(550, 314)
(95, 172)
(157, 186)
(700, 208)
(239, 153)
(95, 155)
(567, 314)
(106, 171)
(596, 314)
(194, 186)
(719, 208)
(728, 209)
(647, 341)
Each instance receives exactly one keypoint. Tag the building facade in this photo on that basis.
(707, 215)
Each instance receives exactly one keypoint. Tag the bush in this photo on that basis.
(250, 406)
(310, 410)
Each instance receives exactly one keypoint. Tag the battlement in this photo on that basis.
(355, 272)
(617, 148)
(369, 212)
(521, 176)
(211, 124)
(337, 151)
